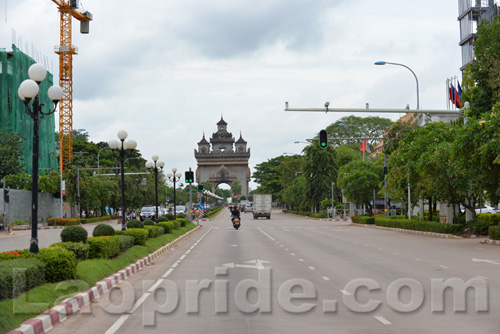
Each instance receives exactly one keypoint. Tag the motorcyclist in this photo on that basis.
(235, 213)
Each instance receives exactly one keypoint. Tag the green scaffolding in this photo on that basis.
(13, 118)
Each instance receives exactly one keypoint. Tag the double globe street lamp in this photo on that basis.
(174, 176)
(156, 164)
(122, 145)
(28, 91)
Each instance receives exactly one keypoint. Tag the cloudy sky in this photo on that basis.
(165, 71)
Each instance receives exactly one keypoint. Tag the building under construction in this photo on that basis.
(13, 118)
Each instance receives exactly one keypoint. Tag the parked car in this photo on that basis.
(485, 209)
(147, 212)
(180, 209)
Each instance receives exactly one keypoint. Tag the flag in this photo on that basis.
(458, 96)
(452, 94)
(362, 147)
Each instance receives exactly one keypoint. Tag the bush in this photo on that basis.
(102, 230)
(126, 242)
(103, 247)
(177, 224)
(168, 226)
(183, 221)
(10, 255)
(494, 232)
(148, 222)
(419, 225)
(161, 230)
(80, 249)
(29, 274)
(74, 234)
(163, 219)
(490, 218)
(140, 235)
(60, 264)
(478, 226)
(134, 223)
(170, 216)
(181, 215)
(363, 220)
(63, 221)
(96, 219)
(153, 231)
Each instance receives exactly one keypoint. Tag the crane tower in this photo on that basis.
(67, 10)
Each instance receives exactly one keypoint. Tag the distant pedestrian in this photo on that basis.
(120, 216)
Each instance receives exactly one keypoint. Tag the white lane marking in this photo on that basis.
(325, 278)
(395, 253)
(292, 254)
(485, 260)
(380, 249)
(365, 245)
(345, 292)
(482, 277)
(444, 267)
(267, 235)
(301, 260)
(116, 326)
(418, 259)
(312, 268)
(382, 320)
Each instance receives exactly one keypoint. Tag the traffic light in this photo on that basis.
(6, 195)
(200, 188)
(385, 172)
(323, 139)
(189, 176)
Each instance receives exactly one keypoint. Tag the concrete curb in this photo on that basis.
(57, 314)
(492, 242)
(428, 234)
(24, 228)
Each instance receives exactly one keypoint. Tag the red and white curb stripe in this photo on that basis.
(493, 242)
(50, 318)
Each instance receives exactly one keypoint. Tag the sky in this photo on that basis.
(166, 71)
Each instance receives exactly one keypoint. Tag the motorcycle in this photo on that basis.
(236, 222)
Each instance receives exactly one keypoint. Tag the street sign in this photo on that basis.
(201, 206)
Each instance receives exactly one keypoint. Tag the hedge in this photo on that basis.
(494, 232)
(491, 218)
(183, 221)
(103, 229)
(140, 235)
(418, 225)
(134, 223)
(76, 221)
(80, 249)
(177, 224)
(60, 264)
(168, 226)
(19, 275)
(363, 220)
(161, 230)
(126, 242)
(74, 234)
(153, 231)
(103, 247)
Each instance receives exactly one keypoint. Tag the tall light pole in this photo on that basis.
(122, 145)
(416, 79)
(174, 176)
(28, 91)
(156, 164)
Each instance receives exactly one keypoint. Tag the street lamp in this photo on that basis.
(397, 64)
(122, 146)
(155, 164)
(174, 176)
(28, 90)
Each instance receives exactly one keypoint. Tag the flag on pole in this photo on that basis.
(362, 147)
(452, 94)
(458, 96)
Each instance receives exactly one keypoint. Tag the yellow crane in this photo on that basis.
(67, 10)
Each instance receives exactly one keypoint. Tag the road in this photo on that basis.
(293, 275)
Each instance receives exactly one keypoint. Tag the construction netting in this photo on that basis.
(13, 118)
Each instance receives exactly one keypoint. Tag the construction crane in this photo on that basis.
(68, 9)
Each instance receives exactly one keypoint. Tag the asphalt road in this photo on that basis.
(294, 275)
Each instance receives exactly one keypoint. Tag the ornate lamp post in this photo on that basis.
(156, 164)
(174, 176)
(28, 91)
(122, 145)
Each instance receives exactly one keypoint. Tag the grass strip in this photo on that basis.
(13, 312)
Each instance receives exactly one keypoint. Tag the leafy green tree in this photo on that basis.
(320, 170)
(354, 126)
(10, 154)
(236, 188)
(486, 68)
(267, 176)
(359, 179)
(294, 195)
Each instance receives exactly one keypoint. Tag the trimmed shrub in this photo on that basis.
(168, 226)
(102, 230)
(170, 216)
(126, 242)
(161, 230)
(183, 221)
(153, 231)
(63, 221)
(478, 226)
(19, 275)
(10, 255)
(491, 218)
(363, 220)
(177, 224)
(74, 234)
(148, 222)
(103, 247)
(163, 219)
(134, 223)
(181, 215)
(418, 225)
(494, 232)
(140, 235)
(60, 264)
(80, 249)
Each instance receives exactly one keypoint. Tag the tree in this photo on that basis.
(236, 188)
(354, 126)
(359, 179)
(267, 175)
(10, 154)
(486, 68)
(320, 170)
